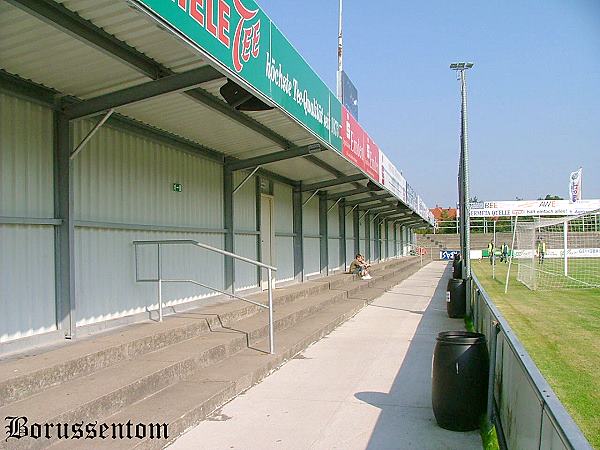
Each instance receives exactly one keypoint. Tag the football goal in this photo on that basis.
(557, 253)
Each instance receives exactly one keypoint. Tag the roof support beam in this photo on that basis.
(333, 182)
(397, 215)
(361, 190)
(84, 30)
(60, 17)
(363, 201)
(172, 83)
(274, 157)
(29, 90)
(379, 208)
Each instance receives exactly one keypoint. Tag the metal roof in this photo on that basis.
(45, 46)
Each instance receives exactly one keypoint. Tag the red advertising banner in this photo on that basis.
(358, 147)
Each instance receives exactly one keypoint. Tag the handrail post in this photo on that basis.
(159, 273)
(270, 294)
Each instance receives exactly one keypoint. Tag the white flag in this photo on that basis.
(575, 185)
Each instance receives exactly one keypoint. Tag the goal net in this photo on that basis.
(557, 253)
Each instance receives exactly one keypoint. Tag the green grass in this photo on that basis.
(561, 331)
(583, 272)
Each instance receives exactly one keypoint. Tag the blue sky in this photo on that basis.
(534, 93)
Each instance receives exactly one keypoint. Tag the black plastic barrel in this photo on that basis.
(459, 381)
(457, 269)
(456, 298)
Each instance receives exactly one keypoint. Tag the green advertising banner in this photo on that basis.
(238, 35)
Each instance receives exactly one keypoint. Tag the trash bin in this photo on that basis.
(456, 298)
(459, 380)
(457, 269)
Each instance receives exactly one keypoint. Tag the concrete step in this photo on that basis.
(125, 377)
(106, 391)
(35, 371)
(191, 400)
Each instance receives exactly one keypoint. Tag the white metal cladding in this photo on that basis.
(283, 209)
(26, 281)
(310, 226)
(125, 178)
(310, 215)
(246, 275)
(244, 217)
(284, 258)
(361, 234)
(27, 291)
(105, 272)
(244, 202)
(349, 218)
(333, 241)
(312, 256)
(349, 251)
(333, 220)
(391, 242)
(333, 254)
(284, 227)
(34, 50)
(371, 242)
(26, 159)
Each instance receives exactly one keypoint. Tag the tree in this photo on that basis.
(553, 197)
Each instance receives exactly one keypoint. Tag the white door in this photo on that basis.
(266, 236)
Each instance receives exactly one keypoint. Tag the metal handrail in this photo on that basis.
(563, 423)
(160, 280)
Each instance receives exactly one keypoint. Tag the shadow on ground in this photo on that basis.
(406, 420)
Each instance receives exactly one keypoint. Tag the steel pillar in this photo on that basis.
(64, 241)
(387, 238)
(342, 232)
(229, 269)
(367, 254)
(356, 229)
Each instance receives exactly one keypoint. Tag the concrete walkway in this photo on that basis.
(365, 386)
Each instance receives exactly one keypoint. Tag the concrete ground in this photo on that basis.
(365, 386)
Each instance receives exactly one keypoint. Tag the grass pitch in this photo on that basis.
(561, 331)
(583, 273)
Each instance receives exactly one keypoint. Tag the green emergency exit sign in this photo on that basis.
(177, 187)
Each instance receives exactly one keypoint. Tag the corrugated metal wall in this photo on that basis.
(372, 240)
(123, 181)
(284, 240)
(246, 241)
(333, 240)
(349, 236)
(361, 233)
(26, 251)
(391, 247)
(310, 225)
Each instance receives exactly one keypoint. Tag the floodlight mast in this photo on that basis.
(461, 67)
(340, 59)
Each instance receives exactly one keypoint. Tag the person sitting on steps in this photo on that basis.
(360, 267)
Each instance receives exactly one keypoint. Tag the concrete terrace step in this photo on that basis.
(192, 399)
(106, 391)
(28, 374)
(130, 371)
